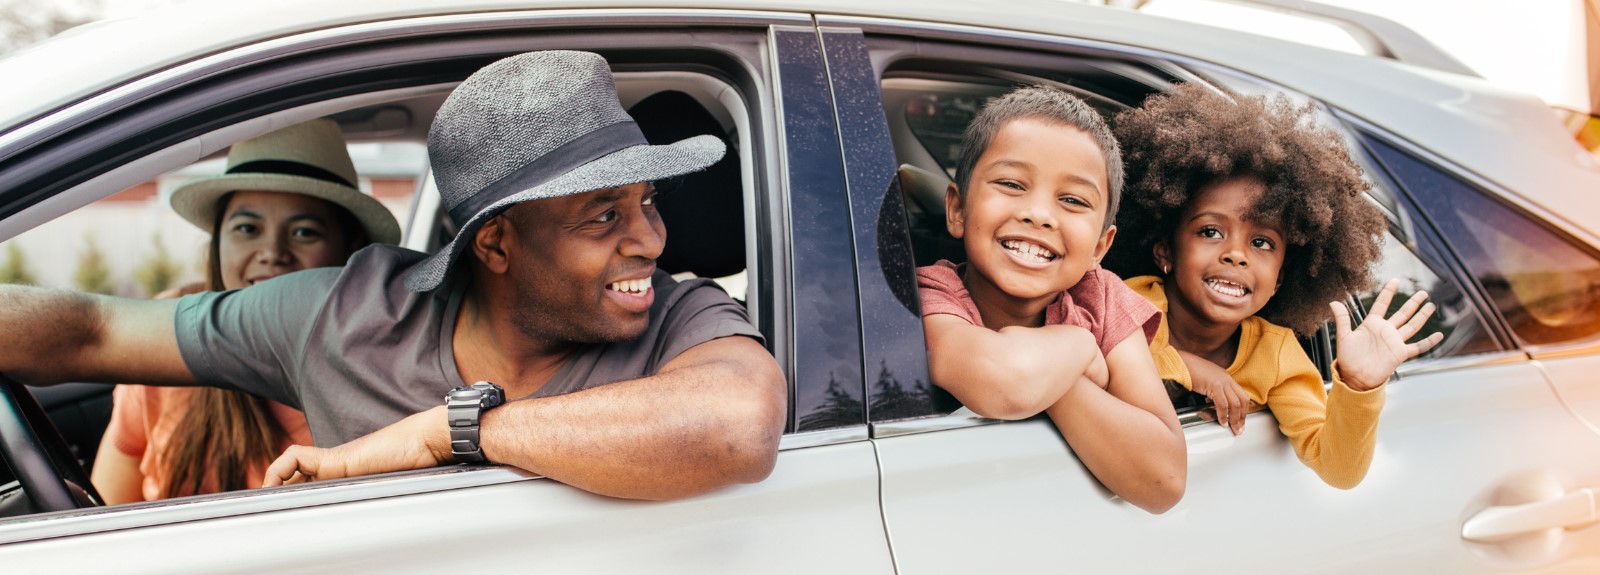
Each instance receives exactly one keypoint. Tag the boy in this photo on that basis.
(1031, 323)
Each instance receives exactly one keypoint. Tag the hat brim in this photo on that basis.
(196, 201)
(643, 163)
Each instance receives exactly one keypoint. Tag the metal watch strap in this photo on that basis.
(464, 406)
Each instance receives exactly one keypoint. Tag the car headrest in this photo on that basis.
(704, 212)
(924, 189)
(930, 239)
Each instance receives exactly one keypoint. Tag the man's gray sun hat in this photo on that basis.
(536, 126)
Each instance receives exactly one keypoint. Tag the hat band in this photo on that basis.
(565, 158)
(290, 168)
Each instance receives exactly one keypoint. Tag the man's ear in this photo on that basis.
(1104, 245)
(1163, 255)
(955, 216)
(489, 243)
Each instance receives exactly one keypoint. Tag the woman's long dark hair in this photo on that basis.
(223, 433)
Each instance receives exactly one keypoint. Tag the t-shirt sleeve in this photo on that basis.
(1333, 435)
(702, 314)
(251, 339)
(941, 291)
(126, 429)
(1122, 311)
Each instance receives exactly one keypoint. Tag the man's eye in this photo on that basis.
(606, 217)
(649, 200)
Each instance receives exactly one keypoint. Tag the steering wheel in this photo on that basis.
(38, 455)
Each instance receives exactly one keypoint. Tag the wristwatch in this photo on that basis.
(463, 406)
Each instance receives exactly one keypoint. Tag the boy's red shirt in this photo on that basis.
(1100, 303)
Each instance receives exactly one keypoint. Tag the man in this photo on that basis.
(632, 385)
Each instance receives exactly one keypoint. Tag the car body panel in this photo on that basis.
(1007, 497)
(825, 496)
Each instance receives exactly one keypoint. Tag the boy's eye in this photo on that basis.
(1075, 201)
(1013, 184)
(1210, 232)
(1261, 243)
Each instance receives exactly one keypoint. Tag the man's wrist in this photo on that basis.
(436, 433)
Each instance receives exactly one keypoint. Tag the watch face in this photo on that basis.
(464, 394)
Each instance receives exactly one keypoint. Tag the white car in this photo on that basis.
(1488, 457)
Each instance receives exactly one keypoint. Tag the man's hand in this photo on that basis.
(416, 442)
(1231, 402)
(1369, 354)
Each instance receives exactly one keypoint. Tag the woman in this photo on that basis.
(287, 202)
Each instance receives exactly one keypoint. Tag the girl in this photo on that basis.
(1249, 218)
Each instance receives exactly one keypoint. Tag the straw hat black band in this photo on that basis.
(289, 168)
(564, 158)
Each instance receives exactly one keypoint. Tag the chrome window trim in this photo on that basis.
(236, 503)
(68, 116)
(823, 437)
(1435, 365)
(958, 419)
(1590, 346)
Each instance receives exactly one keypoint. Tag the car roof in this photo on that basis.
(1461, 119)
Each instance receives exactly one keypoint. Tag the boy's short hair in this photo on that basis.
(1047, 103)
(1185, 140)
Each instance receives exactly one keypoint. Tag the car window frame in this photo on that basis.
(737, 44)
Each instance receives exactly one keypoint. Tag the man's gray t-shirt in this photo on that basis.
(357, 351)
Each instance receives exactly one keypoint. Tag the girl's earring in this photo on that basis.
(1164, 270)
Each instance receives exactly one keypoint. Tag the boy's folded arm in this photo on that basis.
(1128, 434)
(1013, 373)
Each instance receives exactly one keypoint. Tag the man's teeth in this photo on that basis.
(636, 287)
(1227, 288)
(1030, 250)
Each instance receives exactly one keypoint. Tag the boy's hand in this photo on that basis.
(1231, 402)
(1369, 354)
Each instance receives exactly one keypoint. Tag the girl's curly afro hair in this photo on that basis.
(1193, 136)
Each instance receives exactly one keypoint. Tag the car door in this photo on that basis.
(1472, 426)
(817, 512)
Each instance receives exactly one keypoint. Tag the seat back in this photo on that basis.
(704, 211)
(930, 239)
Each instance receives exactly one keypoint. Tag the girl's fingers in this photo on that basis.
(1417, 321)
(1380, 306)
(1341, 318)
(1425, 344)
(1407, 310)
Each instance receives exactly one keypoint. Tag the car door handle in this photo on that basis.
(1506, 521)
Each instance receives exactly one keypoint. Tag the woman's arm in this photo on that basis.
(1127, 434)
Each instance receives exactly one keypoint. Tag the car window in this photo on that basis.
(1545, 286)
(133, 244)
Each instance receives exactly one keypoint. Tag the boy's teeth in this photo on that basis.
(1028, 249)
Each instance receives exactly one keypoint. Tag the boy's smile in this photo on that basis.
(1224, 266)
(1033, 220)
